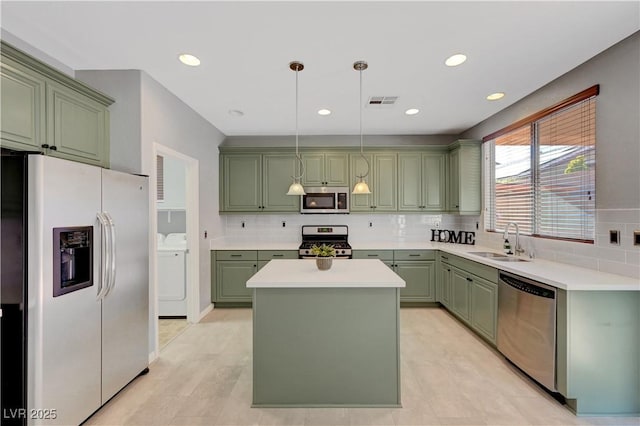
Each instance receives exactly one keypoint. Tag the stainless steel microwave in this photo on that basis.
(325, 199)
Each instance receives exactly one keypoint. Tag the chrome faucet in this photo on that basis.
(516, 249)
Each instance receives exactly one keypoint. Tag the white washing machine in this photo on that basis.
(172, 277)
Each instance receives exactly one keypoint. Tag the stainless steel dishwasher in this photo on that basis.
(527, 326)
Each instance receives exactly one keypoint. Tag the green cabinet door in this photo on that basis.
(336, 169)
(444, 295)
(22, 118)
(484, 307)
(454, 178)
(464, 177)
(231, 280)
(420, 279)
(460, 293)
(433, 181)
(241, 176)
(277, 172)
(361, 202)
(77, 126)
(385, 178)
(410, 182)
(325, 169)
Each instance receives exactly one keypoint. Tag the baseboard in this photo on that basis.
(205, 311)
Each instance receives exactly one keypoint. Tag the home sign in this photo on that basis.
(456, 237)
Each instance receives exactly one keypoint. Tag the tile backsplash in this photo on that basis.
(362, 228)
(622, 259)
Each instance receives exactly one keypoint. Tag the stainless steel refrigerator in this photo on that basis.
(88, 286)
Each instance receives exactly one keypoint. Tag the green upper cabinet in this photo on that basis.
(325, 169)
(464, 186)
(256, 183)
(48, 111)
(278, 170)
(77, 126)
(382, 181)
(241, 175)
(421, 181)
(22, 121)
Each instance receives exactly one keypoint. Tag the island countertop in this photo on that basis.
(300, 273)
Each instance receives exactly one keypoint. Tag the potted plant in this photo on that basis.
(324, 256)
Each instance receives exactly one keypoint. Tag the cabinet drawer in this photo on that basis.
(237, 255)
(414, 255)
(277, 254)
(373, 254)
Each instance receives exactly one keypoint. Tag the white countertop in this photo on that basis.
(560, 275)
(300, 273)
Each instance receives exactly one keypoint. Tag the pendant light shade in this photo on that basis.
(361, 186)
(296, 187)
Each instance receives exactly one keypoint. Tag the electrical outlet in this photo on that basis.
(614, 237)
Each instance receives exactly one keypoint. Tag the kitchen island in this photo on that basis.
(326, 338)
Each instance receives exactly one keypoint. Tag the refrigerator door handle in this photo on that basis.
(112, 249)
(105, 256)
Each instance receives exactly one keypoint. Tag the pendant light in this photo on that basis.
(296, 187)
(361, 186)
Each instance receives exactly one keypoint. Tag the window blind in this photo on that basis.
(566, 173)
(159, 178)
(541, 173)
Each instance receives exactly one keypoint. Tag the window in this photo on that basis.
(540, 172)
(159, 178)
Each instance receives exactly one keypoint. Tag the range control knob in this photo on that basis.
(342, 251)
(306, 252)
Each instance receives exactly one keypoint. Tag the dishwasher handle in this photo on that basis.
(537, 289)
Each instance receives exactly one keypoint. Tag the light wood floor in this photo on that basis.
(449, 377)
(169, 329)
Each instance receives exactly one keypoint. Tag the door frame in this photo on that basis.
(193, 223)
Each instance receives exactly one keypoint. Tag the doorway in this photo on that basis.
(176, 251)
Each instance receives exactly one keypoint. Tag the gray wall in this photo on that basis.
(170, 122)
(617, 70)
(173, 221)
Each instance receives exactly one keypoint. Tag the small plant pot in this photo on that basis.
(324, 263)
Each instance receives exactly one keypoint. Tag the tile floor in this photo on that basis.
(449, 377)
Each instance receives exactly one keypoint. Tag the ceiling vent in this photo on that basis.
(381, 101)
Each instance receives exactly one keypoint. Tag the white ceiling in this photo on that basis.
(245, 48)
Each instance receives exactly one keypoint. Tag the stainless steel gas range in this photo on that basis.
(335, 235)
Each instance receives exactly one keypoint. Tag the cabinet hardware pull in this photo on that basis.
(278, 255)
(469, 279)
(414, 255)
(236, 255)
(372, 255)
(54, 148)
(444, 257)
(45, 146)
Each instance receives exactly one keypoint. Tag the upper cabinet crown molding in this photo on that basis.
(29, 61)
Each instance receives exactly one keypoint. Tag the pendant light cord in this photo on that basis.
(300, 162)
(361, 137)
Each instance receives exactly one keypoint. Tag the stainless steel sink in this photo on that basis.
(511, 259)
(497, 256)
(489, 254)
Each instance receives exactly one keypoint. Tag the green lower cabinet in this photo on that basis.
(444, 285)
(460, 294)
(484, 307)
(420, 279)
(231, 280)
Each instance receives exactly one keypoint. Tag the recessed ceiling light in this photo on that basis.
(236, 113)
(412, 111)
(324, 111)
(190, 60)
(495, 96)
(455, 60)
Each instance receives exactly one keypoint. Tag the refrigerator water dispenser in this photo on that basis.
(72, 259)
